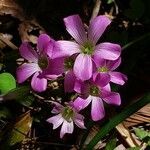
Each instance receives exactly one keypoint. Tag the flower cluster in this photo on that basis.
(89, 68)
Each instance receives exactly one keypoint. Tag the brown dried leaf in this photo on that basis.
(10, 7)
(5, 40)
(17, 131)
(26, 26)
(142, 116)
(6, 36)
(127, 136)
(25, 29)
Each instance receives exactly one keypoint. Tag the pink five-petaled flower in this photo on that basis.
(93, 93)
(70, 77)
(85, 46)
(38, 63)
(105, 72)
(66, 116)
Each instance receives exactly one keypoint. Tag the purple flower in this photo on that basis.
(93, 93)
(70, 77)
(105, 72)
(85, 46)
(39, 63)
(67, 68)
(66, 116)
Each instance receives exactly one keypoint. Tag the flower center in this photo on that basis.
(88, 48)
(68, 63)
(94, 90)
(43, 62)
(102, 69)
(68, 114)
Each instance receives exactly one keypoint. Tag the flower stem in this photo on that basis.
(135, 41)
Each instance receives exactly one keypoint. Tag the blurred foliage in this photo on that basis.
(111, 144)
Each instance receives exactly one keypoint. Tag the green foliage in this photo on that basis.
(7, 83)
(141, 133)
(111, 144)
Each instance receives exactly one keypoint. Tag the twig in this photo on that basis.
(135, 41)
(8, 42)
(38, 96)
(116, 7)
(96, 9)
(127, 136)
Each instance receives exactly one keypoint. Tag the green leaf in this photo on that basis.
(17, 93)
(110, 1)
(7, 83)
(141, 133)
(16, 132)
(118, 119)
(111, 144)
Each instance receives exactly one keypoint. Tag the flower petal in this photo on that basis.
(80, 103)
(38, 83)
(82, 88)
(111, 97)
(25, 71)
(67, 127)
(112, 65)
(56, 120)
(65, 48)
(107, 51)
(97, 27)
(101, 79)
(75, 28)
(99, 62)
(50, 48)
(107, 87)
(42, 41)
(83, 67)
(69, 81)
(57, 108)
(118, 78)
(79, 121)
(55, 67)
(28, 53)
(97, 110)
